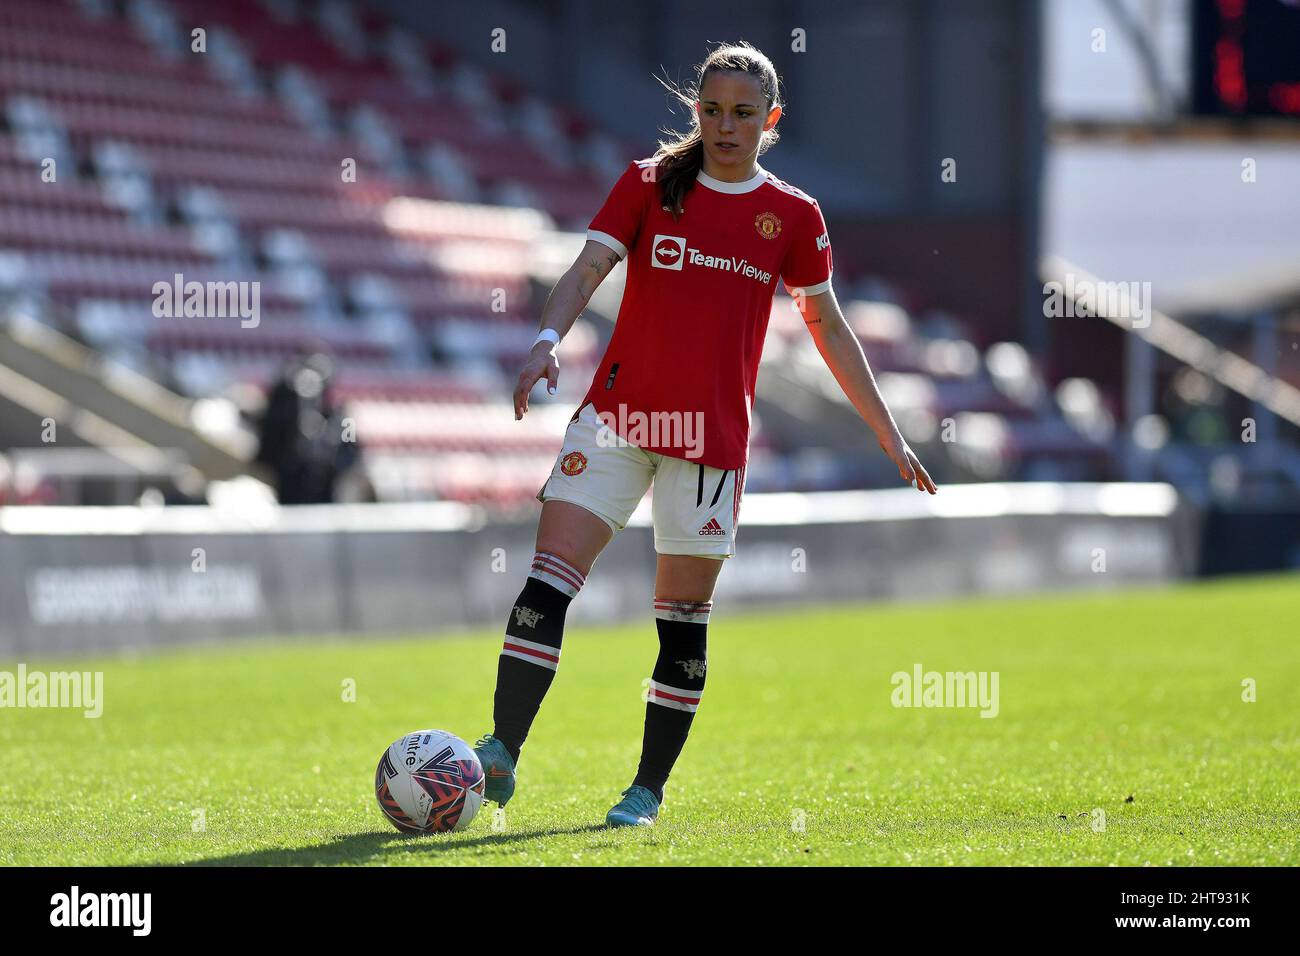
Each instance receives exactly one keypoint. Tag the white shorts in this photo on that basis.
(695, 507)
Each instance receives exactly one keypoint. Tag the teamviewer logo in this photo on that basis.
(669, 252)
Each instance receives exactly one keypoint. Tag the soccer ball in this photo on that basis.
(429, 781)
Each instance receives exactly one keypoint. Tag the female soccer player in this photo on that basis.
(706, 233)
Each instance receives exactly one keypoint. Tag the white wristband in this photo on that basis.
(548, 335)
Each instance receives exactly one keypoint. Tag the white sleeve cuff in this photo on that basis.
(817, 289)
(605, 239)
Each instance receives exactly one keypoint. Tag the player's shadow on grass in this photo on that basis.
(359, 847)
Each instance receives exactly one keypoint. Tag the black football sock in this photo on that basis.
(531, 653)
(675, 688)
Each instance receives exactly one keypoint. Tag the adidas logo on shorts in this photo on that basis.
(712, 527)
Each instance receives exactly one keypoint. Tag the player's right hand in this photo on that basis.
(541, 363)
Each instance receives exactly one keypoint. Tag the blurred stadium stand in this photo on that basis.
(424, 277)
(228, 167)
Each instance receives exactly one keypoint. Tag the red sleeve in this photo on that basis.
(808, 262)
(619, 220)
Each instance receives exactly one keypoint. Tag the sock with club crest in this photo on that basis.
(675, 689)
(531, 652)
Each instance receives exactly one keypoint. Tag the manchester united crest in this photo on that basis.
(768, 226)
(574, 463)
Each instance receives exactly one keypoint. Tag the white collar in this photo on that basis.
(749, 185)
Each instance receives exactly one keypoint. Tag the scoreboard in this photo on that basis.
(1246, 57)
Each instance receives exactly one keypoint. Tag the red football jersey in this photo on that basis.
(696, 305)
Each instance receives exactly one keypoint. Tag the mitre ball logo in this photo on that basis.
(574, 463)
(669, 252)
(768, 226)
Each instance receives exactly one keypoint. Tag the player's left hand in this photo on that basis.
(909, 466)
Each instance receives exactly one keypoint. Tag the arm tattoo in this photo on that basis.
(602, 267)
(596, 270)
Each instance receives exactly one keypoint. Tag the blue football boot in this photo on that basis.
(638, 808)
(498, 770)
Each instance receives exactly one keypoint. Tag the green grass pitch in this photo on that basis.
(1102, 697)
